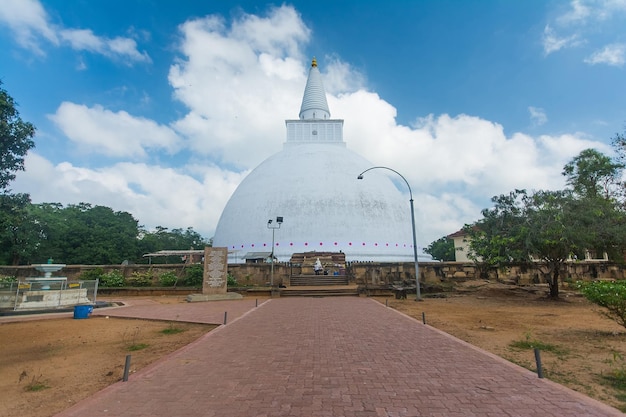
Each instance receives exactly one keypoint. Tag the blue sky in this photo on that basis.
(160, 108)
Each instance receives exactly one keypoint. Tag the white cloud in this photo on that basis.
(553, 43)
(588, 22)
(97, 130)
(538, 116)
(31, 25)
(239, 84)
(29, 22)
(614, 54)
(154, 195)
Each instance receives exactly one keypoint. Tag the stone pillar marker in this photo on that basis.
(214, 278)
(215, 270)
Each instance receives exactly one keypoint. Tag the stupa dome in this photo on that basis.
(312, 184)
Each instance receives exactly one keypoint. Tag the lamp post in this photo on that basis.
(279, 221)
(418, 294)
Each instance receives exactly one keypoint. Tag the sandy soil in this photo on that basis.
(72, 359)
(587, 346)
(48, 365)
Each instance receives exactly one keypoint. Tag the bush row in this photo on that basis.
(192, 277)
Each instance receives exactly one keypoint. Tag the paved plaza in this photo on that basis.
(334, 356)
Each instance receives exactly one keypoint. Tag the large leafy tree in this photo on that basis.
(17, 231)
(16, 138)
(441, 249)
(592, 174)
(554, 226)
(175, 239)
(498, 237)
(86, 234)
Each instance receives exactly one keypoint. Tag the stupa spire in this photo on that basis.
(314, 104)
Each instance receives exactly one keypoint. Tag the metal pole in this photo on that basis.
(272, 267)
(126, 368)
(418, 294)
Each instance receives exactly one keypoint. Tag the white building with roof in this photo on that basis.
(312, 184)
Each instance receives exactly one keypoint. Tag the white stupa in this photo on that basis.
(312, 184)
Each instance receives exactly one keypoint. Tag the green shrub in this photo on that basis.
(607, 294)
(140, 279)
(111, 279)
(5, 281)
(92, 275)
(168, 279)
(194, 276)
(231, 281)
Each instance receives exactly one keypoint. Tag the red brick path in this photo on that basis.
(343, 356)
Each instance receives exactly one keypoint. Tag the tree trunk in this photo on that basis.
(554, 282)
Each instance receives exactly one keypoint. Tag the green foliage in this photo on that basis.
(529, 343)
(137, 346)
(16, 138)
(164, 239)
(19, 233)
(168, 279)
(609, 295)
(92, 274)
(194, 276)
(231, 281)
(112, 279)
(441, 249)
(7, 279)
(617, 376)
(85, 234)
(171, 329)
(140, 279)
(592, 174)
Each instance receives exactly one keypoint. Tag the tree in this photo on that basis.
(610, 295)
(592, 174)
(522, 227)
(497, 238)
(19, 233)
(85, 234)
(15, 139)
(176, 239)
(441, 249)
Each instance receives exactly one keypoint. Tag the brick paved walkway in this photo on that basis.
(339, 356)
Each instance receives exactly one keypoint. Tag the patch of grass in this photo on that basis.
(137, 346)
(172, 330)
(36, 383)
(529, 343)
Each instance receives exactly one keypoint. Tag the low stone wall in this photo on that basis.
(365, 274)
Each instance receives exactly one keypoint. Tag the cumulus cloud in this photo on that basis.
(238, 82)
(156, 196)
(614, 54)
(32, 27)
(117, 134)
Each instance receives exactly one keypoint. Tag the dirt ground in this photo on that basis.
(72, 359)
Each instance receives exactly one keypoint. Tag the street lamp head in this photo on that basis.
(269, 222)
(279, 219)
(360, 177)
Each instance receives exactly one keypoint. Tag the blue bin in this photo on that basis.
(82, 312)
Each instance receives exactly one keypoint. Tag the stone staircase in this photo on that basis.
(319, 286)
(317, 280)
(334, 291)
